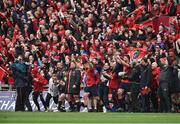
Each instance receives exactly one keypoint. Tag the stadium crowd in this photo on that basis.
(101, 47)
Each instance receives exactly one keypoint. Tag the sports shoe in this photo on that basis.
(47, 110)
(62, 109)
(85, 110)
(55, 110)
(104, 109)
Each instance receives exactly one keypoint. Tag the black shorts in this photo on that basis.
(125, 86)
(93, 90)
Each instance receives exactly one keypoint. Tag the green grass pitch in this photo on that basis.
(51, 117)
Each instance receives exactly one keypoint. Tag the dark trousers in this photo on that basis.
(48, 98)
(154, 100)
(103, 94)
(115, 98)
(35, 99)
(165, 104)
(118, 103)
(134, 97)
(27, 102)
(146, 103)
(22, 99)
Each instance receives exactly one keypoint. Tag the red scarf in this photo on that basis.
(14, 36)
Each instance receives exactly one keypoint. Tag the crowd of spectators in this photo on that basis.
(108, 36)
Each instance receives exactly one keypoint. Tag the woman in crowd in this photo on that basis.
(39, 82)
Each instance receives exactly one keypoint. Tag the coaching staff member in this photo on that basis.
(22, 79)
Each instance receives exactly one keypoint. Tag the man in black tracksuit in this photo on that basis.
(165, 81)
(134, 79)
(145, 80)
(22, 83)
(62, 77)
(73, 87)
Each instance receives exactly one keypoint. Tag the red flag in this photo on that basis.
(14, 36)
(9, 23)
(147, 23)
(170, 4)
(137, 54)
(178, 9)
(149, 5)
(2, 73)
(2, 15)
(1, 39)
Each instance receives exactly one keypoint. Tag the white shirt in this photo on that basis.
(53, 88)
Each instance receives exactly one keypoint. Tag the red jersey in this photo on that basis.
(92, 77)
(114, 83)
(39, 83)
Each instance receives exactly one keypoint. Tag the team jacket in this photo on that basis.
(74, 78)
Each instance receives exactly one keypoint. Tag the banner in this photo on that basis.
(8, 100)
